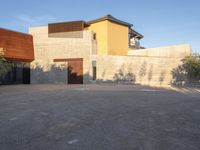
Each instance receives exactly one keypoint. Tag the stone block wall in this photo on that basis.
(176, 51)
(145, 70)
(47, 48)
(146, 66)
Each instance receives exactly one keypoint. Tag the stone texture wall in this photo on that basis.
(147, 67)
(154, 69)
(74, 34)
(176, 51)
(44, 69)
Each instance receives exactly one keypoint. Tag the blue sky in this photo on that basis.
(162, 22)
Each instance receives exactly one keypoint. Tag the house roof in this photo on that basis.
(135, 33)
(79, 25)
(110, 18)
(113, 19)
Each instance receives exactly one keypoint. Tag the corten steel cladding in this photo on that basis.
(75, 72)
(66, 26)
(17, 46)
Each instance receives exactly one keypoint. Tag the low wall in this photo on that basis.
(154, 69)
(176, 51)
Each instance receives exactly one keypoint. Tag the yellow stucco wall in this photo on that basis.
(118, 43)
(101, 30)
(112, 38)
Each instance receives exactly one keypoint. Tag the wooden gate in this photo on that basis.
(75, 72)
(75, 69)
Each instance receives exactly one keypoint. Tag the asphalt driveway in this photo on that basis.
(98, 117)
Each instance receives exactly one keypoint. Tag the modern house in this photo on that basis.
(104, 50)
(75, 45)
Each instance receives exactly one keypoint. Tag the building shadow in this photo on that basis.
(53, 74)
(142, 71)
(59, 74)
(150, 74)
(122, 76)
(162, 77)
(182, 76)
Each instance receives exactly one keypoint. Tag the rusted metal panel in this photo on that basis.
(68, 59)
(66, 26)
(17, 46)
(75, 72)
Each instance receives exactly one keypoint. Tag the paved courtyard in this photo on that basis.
(98, 117)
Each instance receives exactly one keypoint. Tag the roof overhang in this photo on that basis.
(112, 19)
(134, 33)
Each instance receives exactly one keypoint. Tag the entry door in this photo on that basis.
(75, 72)
(26, 75)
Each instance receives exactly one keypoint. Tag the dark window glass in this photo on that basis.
(94, 72)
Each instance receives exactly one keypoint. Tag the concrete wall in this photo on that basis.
(44, 69)
(147, 67)
(73, 34)
(176, 51)
(154, 69)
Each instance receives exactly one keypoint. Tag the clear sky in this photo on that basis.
(162, 22)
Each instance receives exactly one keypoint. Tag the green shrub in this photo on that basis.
(5, 67)
(191, 64)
